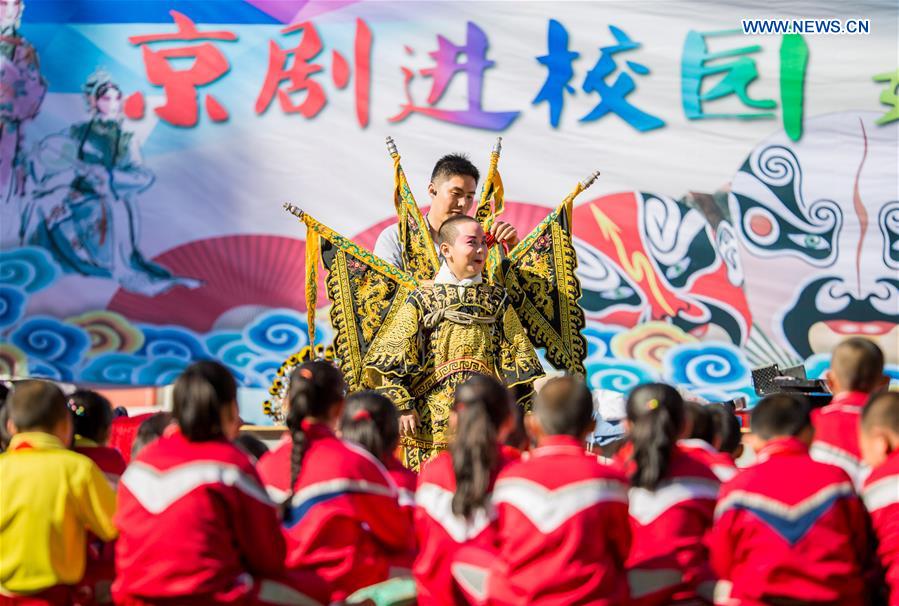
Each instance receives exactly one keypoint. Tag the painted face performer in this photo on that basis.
(22, 89)
(83, 205)
(462, 309)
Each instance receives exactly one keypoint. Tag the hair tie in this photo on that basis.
(652, 404)
(306, 373)
(361, 414)
(77, 409)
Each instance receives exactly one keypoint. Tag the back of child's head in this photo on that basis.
(655, 412)
(449, 230)
(370, 419)
(857, 365)
(37, 406)
(879, 435)
(5, 434)
(698, 421)
(452, 165)
(728, 433)
(780, 415)
(315, 389)
(482, 404)
(881, 411)
(564, 406)
(150, 430)
(252, 445)
(201, 393)
(92, 414)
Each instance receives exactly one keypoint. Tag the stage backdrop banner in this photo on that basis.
(747, 212)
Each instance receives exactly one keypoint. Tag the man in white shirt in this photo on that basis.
(452, 190)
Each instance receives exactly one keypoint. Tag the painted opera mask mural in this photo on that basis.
(818, 225)
(646, 257)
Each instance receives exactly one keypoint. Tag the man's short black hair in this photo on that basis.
(452, 165)
(450, 228)
(780, 415)
(37, 406)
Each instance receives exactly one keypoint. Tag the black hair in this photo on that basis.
(5, 436)
(728, 433)
(314, 388)
(106, 86)
(92, 414)
(370, 419)
(780, 415)
(698, 418)
(482, 404)
(882, 410)
(656, 415)
(253, 445)
(449, 230)
(564, 406)
(37, 405)
(150, 430)
(858, 364)
(200, 394)
(452, 165)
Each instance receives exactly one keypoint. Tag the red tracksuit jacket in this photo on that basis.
(193, 520)
(563, 529)
(721, 463)
(441, 533)
(344, 521)
(668, 560)
(881, 497)
(790, 527)
(836, 434)
(406, 481)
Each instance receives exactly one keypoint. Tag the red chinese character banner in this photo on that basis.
(747, 213)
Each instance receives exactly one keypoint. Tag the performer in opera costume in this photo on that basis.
(22, 90)
(415, 334)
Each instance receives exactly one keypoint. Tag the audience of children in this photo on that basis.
(518, 510)
(195, 523)
(788, 529)
(341, 511)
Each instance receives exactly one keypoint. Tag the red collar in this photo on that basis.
(850, 398)
(549, 444)
(782, 446)
(315, 430)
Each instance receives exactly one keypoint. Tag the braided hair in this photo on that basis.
(315, 387)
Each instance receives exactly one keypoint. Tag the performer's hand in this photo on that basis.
(504, 232)
(408, 423)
